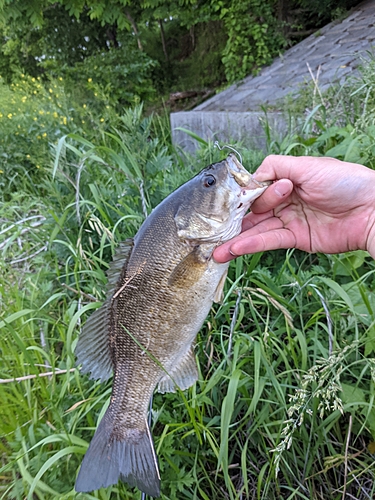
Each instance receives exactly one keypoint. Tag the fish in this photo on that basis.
(161, 286)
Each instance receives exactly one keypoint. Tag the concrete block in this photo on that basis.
(226, 127)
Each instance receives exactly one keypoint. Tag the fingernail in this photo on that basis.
(232, 253)
(282, 189)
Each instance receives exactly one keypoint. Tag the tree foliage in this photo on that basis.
(137, 49)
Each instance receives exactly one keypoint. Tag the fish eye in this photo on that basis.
(209, 181)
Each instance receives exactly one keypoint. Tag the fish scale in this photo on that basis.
(161, 288)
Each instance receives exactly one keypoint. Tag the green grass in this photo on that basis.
(284, 405)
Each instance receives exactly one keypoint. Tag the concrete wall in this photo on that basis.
(225, 127)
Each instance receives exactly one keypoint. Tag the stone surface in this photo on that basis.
(333, 53)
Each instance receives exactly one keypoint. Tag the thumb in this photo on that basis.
(273, 196)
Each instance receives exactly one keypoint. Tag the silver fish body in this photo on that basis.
(162, 286)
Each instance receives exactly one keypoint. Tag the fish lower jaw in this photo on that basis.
(241, 211)
(248, 196)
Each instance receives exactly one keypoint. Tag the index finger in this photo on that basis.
(276, 167)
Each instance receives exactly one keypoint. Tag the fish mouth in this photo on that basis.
(238, 172)
(250, 188)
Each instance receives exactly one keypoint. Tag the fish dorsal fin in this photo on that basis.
(189, 270)
(118, 264)
(184, 374)
(92, 350)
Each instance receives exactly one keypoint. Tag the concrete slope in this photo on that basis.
(332, 53)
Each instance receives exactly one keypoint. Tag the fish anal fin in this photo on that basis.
(125, 454)
(189, 270)
(184, 374)
(219, 293)
(92, 349)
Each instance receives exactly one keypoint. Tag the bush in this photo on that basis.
(34, 115)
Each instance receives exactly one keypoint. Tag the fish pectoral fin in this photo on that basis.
(184, 374)
(92, 350)
(219, 293)
(189, 270)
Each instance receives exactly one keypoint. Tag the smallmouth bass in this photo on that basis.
(161, 287)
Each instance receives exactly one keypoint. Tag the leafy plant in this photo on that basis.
(254, 37)
(284, 404)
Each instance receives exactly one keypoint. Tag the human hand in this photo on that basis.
(316, 204)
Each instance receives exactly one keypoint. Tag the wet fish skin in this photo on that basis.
(162, 286)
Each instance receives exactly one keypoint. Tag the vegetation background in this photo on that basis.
(284, 407)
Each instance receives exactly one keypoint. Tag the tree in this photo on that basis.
(172, 35)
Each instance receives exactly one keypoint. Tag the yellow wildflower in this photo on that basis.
(39, 137)
(65, 120)
(89, 80)
(50, 91)
(45, 134)
(41, 112)
(27, 156)
(102, 119)
(84, 106)
(60, 79)
(1, 115)
(37, 166)
(1, 171)
(10, 116)
(55, 115)
(33, 79)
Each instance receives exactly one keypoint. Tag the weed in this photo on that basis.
(284, 405)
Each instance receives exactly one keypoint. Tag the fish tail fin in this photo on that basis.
(126, 454)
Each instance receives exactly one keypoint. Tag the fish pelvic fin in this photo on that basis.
(127, 455)
(184, 374)
(219, 293)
